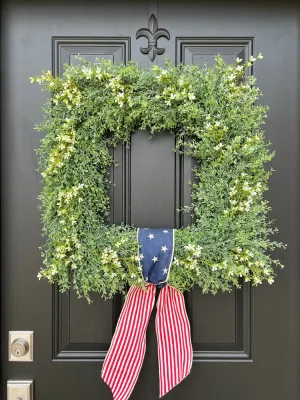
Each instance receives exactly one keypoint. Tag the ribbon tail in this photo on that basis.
(175, 351)
(125, 357)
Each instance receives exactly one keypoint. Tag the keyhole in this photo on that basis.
(18, 352)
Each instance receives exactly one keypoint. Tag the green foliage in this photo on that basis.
(213, 113)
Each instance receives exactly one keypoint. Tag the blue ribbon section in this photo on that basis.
(156, 254)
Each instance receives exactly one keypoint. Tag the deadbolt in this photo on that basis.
(19, 347)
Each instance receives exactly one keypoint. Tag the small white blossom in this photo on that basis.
(218, 146)
(189, 247)
(175, 261)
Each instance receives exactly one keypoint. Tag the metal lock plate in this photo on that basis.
(20, 346)
(20, 390)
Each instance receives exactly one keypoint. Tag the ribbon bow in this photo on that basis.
(125, 357)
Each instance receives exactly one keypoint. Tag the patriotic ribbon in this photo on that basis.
(125, 357)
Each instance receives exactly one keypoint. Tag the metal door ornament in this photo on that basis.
(153, 33)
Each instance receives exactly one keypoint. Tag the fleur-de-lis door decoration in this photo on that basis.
(153, 34)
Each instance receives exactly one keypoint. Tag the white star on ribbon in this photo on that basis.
(164, 248)
(141, 256)
(165, 271)
(165, 231)
(155, 259)
(151, 236)
(146, 278)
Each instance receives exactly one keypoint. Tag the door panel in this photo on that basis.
(245, 342)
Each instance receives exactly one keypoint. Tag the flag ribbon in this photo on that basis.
(125, 357)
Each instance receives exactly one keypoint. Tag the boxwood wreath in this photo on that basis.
(212, 112)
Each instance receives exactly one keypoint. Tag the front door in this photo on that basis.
(246, 343)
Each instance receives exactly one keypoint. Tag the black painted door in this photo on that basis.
(246, 344)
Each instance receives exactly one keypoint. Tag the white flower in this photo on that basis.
(238, 60)
(252, 59)
(189, 247)
(191, 96)
(257, 280)
(197, 253)
(270, 280)
(175, 261)
(218, 146)
(260, 56)
(99, 73)
(87, 71)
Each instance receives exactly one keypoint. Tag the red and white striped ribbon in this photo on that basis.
(175, 351)
(125, 357)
